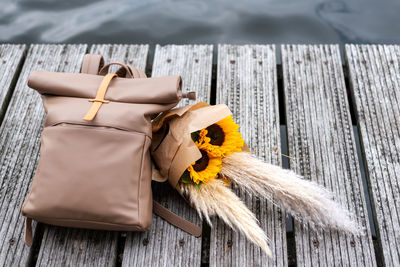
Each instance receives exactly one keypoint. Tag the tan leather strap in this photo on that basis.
(137, 73)
(92, 64)
(99, 100)
(158, 209)
(189, 95)
(176, 220)
(28, 240)
(124, 71)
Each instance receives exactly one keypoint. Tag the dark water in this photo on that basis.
(207, 21)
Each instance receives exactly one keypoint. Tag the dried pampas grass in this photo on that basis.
(306, 201)
(215, 198)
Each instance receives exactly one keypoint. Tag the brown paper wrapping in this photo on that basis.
(172, 148)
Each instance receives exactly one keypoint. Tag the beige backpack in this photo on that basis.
(95, 169)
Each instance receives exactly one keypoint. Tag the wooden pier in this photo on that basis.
(337, 116)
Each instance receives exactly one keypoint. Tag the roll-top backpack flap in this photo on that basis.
(95, 171)
(132, 102)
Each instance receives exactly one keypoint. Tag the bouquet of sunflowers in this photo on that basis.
(200, 151)
(214, 142)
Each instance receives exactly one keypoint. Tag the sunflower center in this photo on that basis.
(202, 163)
(216, 134)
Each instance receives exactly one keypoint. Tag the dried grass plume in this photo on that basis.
(215, 198)
(306, 201)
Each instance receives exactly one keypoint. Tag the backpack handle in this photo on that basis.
(94, 64)
(124, 71)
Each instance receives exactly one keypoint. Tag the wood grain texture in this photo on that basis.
(79, 247)
(247, 83)
(322, 145)
(20, 139)
(166, 245)
(375, 83)
(11, 57)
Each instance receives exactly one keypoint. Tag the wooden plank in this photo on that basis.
(375, 83)
(78, 247)
(19, 142)
(166, 245)
(11, 57)
(247, 83)
(321, 142)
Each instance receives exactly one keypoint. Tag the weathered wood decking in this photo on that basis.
(321, 143)
(312, 93)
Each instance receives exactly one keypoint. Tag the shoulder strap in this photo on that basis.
(176, 220)
(92, 64)
(158, 209)
(124, 71)
(28, 232)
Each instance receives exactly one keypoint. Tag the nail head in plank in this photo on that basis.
(20, 138)
(247, 83)
(11, 57)
(375, 84)
(164, 244)
(322, 145)
(80, 247)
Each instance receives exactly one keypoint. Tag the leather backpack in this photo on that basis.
(95, 169)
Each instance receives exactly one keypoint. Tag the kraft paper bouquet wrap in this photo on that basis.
(200, 151)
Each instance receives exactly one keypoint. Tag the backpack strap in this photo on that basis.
(28, 232)
(158, 209)
(92, 64)
(124, 71)
(99, 100)
(176, 220)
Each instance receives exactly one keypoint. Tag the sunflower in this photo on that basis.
(204, 169)
(221, 138)
(214, 142)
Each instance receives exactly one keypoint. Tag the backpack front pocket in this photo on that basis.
(90, 175)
